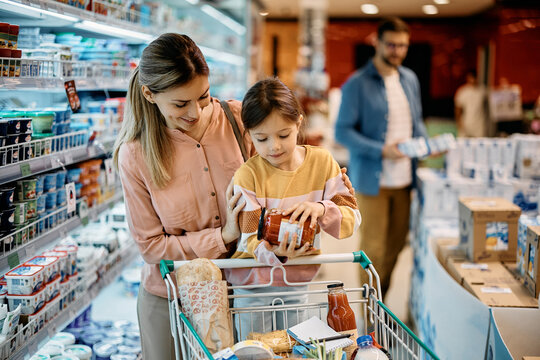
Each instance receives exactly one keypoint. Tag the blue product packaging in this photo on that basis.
(49, 183)
(61, 196)
(41, 203)
(103, 351)
(73, 175)
(50, 200)
(40, 182)
(60, 178)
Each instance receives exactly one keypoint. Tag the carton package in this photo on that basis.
(491, 283)
(523, 223)
(449, 248)
(488, 228)
(532, 271)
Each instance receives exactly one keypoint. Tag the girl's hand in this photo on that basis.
(305, 209)
(288, 250)
(346, 180)
(231, 231)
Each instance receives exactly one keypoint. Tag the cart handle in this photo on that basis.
(166, 266)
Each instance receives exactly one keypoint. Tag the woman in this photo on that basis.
(176, 155)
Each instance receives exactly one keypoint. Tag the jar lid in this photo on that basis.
(260, 229)
(331, 286)
(40, 113)
(16, 53)
(5, 53)
(12, 114)
(14, 29)
(4, 26)
(42, 136)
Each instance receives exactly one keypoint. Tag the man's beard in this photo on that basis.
(387, 62)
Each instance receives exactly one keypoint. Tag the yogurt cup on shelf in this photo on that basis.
(25, 279)
(51, 266)
(63, 259)
(53, 288)
(71, 251)
(30, 304)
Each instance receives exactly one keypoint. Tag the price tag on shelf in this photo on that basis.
(91, 151)
(25, 169)
(30, 251)
(55, 161)
(32, 347)
(109, 172)
(71, 197)
(68, 158)
(13, 260)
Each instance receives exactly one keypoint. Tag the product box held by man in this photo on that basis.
(532, 271)
(488, 228)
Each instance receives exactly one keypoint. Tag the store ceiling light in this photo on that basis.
(113, 31)
(369, 9)
(223, 56)
(224, 19)
(34, 12)
(430, 9)
(263, 13)
(441, 2)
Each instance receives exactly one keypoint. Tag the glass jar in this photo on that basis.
(340, 316)
(273, 225)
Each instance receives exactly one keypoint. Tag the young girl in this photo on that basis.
(302, 181)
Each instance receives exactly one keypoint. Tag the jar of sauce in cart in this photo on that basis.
(273, 225)
(340, 315)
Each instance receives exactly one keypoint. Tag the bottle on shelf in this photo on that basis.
(366, 350)
(340, 315)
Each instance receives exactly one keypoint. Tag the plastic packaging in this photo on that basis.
(367, 351)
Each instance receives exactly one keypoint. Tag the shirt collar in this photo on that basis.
(372, 70)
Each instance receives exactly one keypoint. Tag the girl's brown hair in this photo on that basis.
(169, 61)
(267, 96)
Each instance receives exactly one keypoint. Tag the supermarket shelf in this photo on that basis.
(50, 13)
(66, 316)
(57, 84)
(19, 170)
(26, 251)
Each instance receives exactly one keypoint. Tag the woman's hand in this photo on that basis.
(288, 250)
(304, 210)
(346, 180)
(231, 231)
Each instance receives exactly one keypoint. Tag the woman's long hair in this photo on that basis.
(169, 61)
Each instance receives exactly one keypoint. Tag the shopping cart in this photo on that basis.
(387, 329)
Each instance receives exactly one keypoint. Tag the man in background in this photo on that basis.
(470, 107)
(380, 108)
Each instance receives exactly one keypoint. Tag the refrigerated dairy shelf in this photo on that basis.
(29, 346)
(27, 250)
(56, 159)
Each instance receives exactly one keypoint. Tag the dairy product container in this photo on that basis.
(71, 250)
(64, 338)
(83, 352)
(30, 304)
(25, 279)
(51, 265)
(53, 288)
(63, 261)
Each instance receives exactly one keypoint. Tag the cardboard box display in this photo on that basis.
(449, 247)
(495, 286)
(532, 251)
(513, 334)
(475, 273)
(488, 228)
(523, 223)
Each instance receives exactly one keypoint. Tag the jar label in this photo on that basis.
(291, 229)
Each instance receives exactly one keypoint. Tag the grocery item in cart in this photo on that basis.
(252, 350)
(340, 316)
(273, 225)
(197, 270)
(367, 350)
(205, 303)
(278, 340)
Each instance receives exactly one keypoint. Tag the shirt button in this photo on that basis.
(213, 193)
(217, 217)
(205, 169)
(198, 145)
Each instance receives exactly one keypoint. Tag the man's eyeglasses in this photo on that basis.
(394, 46)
